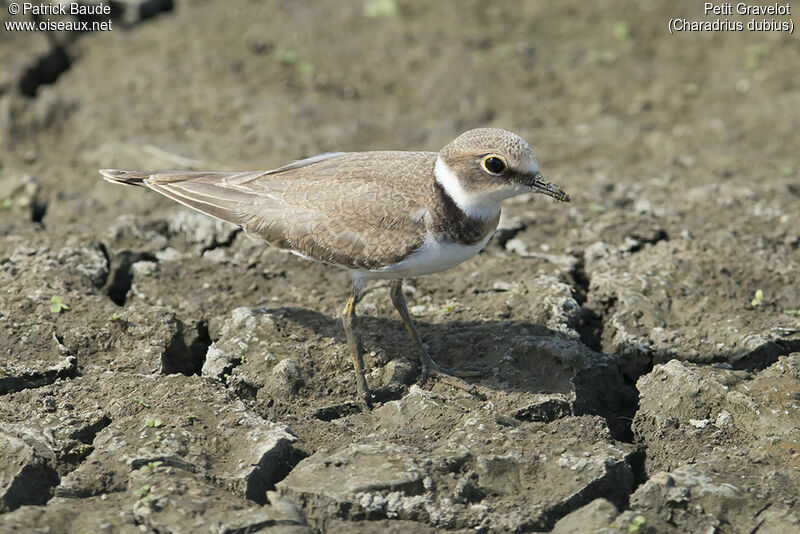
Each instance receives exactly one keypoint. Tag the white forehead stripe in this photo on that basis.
(532, 166)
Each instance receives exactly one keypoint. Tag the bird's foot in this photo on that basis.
(464, 373)
(366, 397)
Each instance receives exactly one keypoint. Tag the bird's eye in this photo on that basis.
(494, 164)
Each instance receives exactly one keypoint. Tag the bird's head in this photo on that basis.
(482, 167)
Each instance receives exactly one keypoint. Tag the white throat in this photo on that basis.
(478, 205)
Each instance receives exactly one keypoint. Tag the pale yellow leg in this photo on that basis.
(429, 367)
(348, 317)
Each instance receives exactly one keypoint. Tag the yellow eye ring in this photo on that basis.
(494, 164)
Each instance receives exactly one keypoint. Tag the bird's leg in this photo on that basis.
(348, 317)
(429, 367)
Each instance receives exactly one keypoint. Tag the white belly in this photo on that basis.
(433, 256)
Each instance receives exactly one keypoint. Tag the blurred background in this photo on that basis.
(601, 90)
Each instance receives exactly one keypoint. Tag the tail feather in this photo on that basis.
(208, 192)
(126, 177)
(219, 202)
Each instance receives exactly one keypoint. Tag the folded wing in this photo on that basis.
(334, 208)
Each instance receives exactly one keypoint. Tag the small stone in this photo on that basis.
(286, 377)
(26, 473)
(699, 423)
(594, 517)
(143, 268)
(399, 371)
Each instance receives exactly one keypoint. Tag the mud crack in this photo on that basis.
(45, 70)
(121, 277)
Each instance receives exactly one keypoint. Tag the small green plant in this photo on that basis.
(601, 57)
(286, 56)
(758, 298)
(57, 304)
(636, 524)
(597, 208)
(191, 418)
(141, 492)
(796, 313)
(151, 466)
(755, 55)
(448, 308)
(141, 402)
(154, 423)
(242, 359)
(622, 31)
(380, 8)
(114, 318)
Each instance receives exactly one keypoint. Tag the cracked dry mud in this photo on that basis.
(189, 379)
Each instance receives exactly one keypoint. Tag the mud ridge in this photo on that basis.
(85, 436)
(765, 355)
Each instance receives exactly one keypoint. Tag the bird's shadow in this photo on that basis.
(511, 356)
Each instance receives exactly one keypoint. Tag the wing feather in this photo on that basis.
(341, 208)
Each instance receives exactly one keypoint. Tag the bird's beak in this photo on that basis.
(538, 183)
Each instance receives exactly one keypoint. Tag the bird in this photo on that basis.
(381, 215)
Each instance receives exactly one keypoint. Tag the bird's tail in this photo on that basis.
(126, 177)
(223, 195)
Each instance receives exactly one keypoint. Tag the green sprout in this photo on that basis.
(58, 305)
(286, 56)
(636, 523)
(755, 54)
(151, 466)
(154, 423)
(114, 318)
(380, 8)
(141, 402)
(448, 308)
(758, 298)
(601, 57)
(597, 208)
(796, 313)
(191, 418)
(141, 492)
(622, 31)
